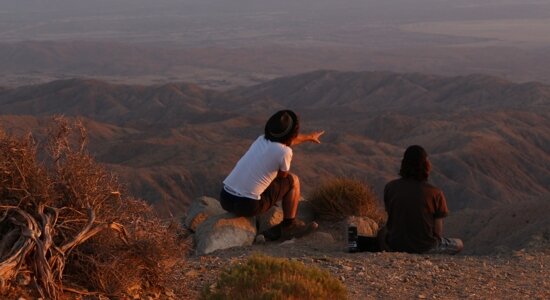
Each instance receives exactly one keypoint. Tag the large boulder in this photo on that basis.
(224, 231)
(200, 209)
(216, 229)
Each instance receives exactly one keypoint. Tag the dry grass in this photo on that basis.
(338, 198)
(66, 222)
(263, 277)
(116, 268)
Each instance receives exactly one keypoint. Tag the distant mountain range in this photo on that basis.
(223, 67)
(488, 138)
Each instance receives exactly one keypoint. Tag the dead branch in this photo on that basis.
(89, 231)
(57, 216)
(14, 255)
(32, 238)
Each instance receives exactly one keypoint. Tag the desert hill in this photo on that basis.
(107, 103)
(487, 137)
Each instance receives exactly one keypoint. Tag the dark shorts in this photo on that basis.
(247, 207)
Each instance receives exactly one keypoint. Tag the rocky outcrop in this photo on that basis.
(224, 231)
(216, 229)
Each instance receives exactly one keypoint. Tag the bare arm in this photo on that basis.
(438, 227)
(310, 137)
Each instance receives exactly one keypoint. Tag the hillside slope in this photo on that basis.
(487, 138)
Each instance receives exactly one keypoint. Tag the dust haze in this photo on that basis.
(221, 44)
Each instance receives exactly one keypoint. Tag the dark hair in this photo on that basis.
(282, 127)
(415, 164)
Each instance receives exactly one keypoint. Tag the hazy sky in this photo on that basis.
(433, 36)
(398, 10)
(146, 20)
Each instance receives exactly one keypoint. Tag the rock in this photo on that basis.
(365, 225)
(319, 240)
(275, 215)
(322, 237)
(200, 209)
(224, 231)
(270, 218)
(192, 273)
(260, 239)
(288, 242)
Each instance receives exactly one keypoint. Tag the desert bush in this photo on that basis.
(264, 277)
(338, 198)
(109, 265)
(65, 220)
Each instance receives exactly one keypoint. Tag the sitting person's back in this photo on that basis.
(412, 207)
(416, 209)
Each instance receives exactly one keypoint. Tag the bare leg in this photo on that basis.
(291, 199)
(290, 227)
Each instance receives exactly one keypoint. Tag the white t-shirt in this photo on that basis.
(258, 168)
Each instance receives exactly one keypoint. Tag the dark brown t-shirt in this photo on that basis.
(412, 208)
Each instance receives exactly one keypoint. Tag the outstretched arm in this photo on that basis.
(310, 137)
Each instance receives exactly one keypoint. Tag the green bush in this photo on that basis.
(338, 198)
(264, 277)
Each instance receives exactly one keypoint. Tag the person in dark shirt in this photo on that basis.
(416, 209)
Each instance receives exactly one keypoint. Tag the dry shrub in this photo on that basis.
(113, 267)
(338, 198)
(65, 221)
(264, 277)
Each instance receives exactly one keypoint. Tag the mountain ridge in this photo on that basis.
(370, 117)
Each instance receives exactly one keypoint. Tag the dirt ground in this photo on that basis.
(523, 274)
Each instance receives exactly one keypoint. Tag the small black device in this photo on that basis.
(352, 239)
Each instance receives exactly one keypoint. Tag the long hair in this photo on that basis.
(282, 127)
(415, 164)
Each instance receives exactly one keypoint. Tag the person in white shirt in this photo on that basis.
(262, 177)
